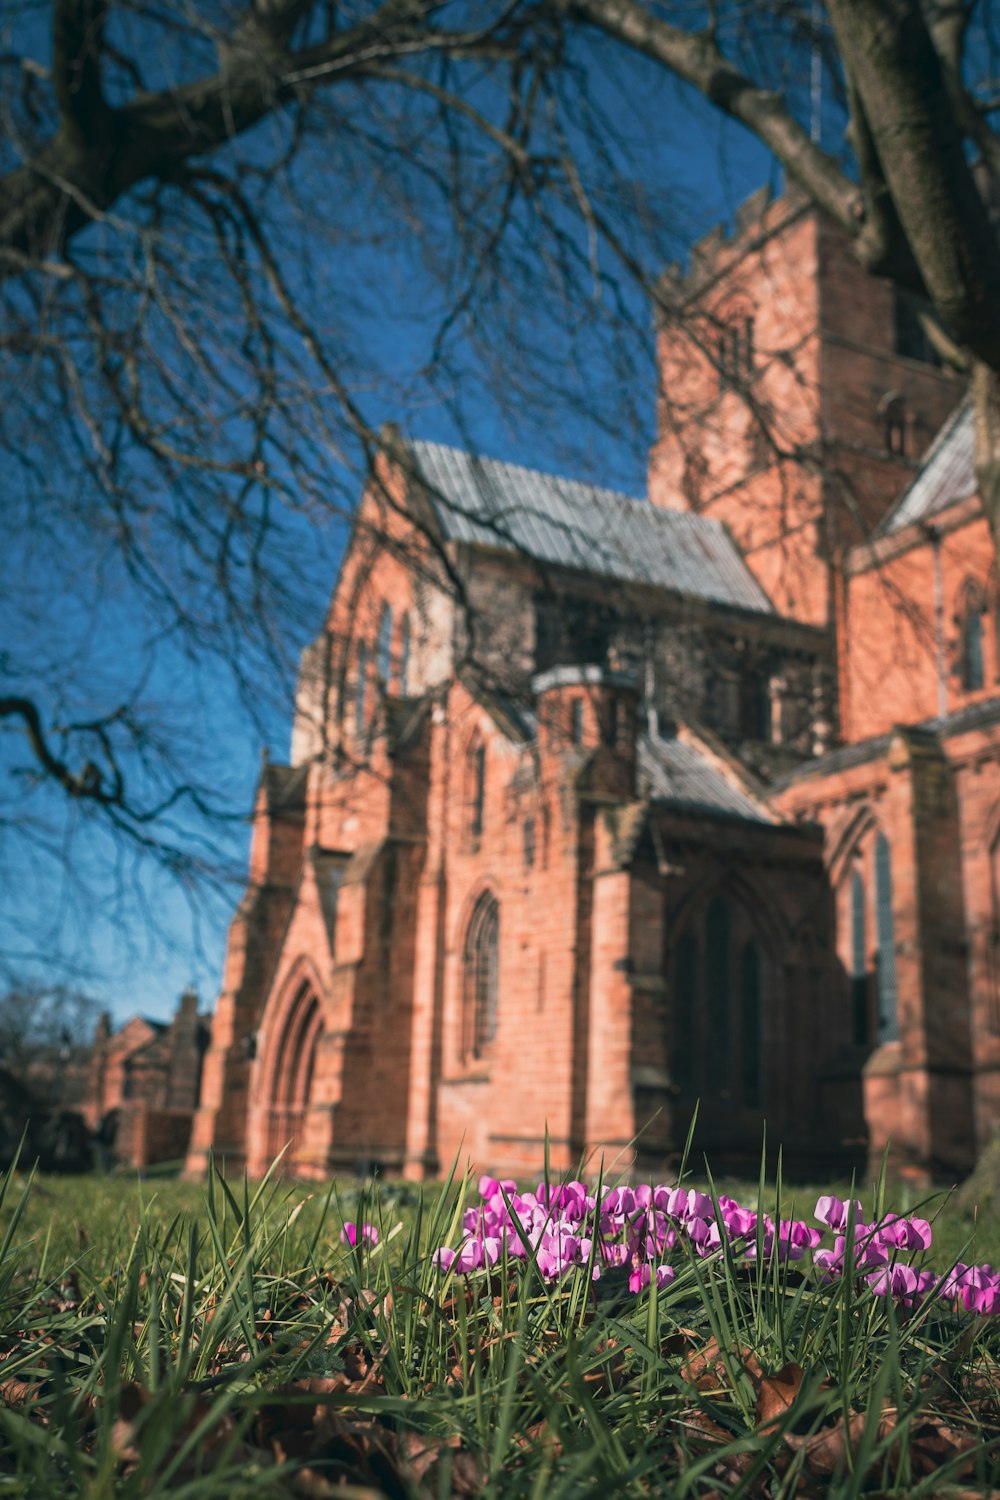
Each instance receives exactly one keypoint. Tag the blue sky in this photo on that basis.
(116, 923)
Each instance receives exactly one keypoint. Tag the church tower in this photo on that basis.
(796, 395)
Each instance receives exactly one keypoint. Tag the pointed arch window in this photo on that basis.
(475, 771)
(481, 976)
(973, 668)
(361, 688)
(383, 647)
(751, 1051)
(404, 656)
(888, 1021)
(859, 961)
(685, 1002)
(717, 1009)
(718, 991)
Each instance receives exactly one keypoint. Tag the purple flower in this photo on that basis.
(905, 1234)
(835, 1211)
(350, 1234)
(641, 1277)
(898, 1282)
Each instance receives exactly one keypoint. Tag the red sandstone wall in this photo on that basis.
(891, 670)
(801, 468)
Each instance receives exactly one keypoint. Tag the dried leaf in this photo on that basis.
(19, 1392)
(775, 1394)
(932, 1444)
(826, 1452)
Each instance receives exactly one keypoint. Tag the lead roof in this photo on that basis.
(570, 524)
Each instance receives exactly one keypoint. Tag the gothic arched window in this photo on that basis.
(751, 1051)
(718, 990)
(972, 663)
(685, 1000)
(404, 655)
(888, 1021)
(481, 979)
(475, 772)
(360, 687)
(859, 961)
(717, 1008)
(383, 647)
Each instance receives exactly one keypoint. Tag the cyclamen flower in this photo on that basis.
(566, 1231)
(641, 1277)
(905, 1234)
(900, 1282)
(350, 1234)
(835, 1211)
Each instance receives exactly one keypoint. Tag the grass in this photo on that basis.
(174, 1339)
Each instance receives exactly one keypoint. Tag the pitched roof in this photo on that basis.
(675, 771)
(568, 524)
(947, 474)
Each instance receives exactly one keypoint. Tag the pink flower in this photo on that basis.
(905, 1234)
(835, 1211)
(898, 1282)
(350, 1234)
(641, 1277)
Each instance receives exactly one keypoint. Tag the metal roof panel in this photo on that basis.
(569, 524)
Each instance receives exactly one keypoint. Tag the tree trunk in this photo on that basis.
(986, 418)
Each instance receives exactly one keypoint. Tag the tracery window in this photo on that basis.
(481, 978)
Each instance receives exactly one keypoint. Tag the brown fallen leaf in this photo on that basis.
(14, 1392)
(933, 1443)
(703, 1368)
(775, 1394)
(826, 1452)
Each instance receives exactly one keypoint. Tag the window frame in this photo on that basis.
(481, 979)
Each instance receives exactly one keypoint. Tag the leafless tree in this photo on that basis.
(917, 182)
(190, 387)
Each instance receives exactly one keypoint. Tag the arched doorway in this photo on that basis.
(288, 1075)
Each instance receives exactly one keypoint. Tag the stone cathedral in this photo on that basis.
(604, 814)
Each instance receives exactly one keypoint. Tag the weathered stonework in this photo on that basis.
(566, 850)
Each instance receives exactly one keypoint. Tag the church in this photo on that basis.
(611, 819)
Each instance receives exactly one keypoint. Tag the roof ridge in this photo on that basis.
(504, 463)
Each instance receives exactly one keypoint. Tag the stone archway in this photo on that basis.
(288, 1076)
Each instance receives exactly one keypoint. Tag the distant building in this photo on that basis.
(143, 1083)
(688, 798)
